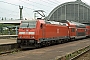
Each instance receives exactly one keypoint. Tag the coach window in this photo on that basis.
(73, 30)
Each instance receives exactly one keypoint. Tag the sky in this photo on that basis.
(10, 8)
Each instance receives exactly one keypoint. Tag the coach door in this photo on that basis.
(72, 32)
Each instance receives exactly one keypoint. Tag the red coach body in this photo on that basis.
(76, 30)
(88, 28)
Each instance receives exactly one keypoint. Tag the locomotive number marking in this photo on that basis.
(57, 30)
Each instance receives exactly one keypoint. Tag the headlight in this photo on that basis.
(20, 37)
(32, 36)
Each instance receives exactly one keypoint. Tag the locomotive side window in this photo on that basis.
(73, 30)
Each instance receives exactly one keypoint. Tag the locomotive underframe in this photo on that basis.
(41, 42)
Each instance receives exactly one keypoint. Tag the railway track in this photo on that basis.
(85, 56)
(75, 55)
(47, 53)
(81, 52)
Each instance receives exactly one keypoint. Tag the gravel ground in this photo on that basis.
(47, 53)
(85, 56)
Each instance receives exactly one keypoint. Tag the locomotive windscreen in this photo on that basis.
(28, 24)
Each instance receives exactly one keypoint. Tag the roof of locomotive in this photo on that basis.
(33, 20)
(47, 22)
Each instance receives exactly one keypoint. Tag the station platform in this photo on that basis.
(8, 41)
(8, 35)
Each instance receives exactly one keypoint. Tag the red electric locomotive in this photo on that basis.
(40, 32)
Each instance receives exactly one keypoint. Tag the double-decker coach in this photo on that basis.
(76, 30)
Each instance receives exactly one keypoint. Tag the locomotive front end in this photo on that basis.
(27, 33)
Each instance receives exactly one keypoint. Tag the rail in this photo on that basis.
(73, 55)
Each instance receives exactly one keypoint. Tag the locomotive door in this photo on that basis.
(43, 30)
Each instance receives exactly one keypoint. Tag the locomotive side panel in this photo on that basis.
(56, 31)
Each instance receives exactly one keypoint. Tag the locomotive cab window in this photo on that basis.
(28, 24)
(23, 25)
(32, 24)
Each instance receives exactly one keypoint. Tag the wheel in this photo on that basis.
(37, 45)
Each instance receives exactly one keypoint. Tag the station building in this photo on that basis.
(75, 11)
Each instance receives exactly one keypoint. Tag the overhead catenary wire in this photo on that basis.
(30, 4)
(25, 12)
(9, 10)
(52, 1)
(16, 5)
(47, 2)
(9, 14)
(57, 1)
(40, 4)
(24, 6)
(35, 6)
(9, 3)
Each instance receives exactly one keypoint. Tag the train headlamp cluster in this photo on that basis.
(32, 37)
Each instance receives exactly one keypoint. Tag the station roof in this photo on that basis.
(74, 11)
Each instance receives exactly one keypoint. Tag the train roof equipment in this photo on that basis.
(80, 25)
